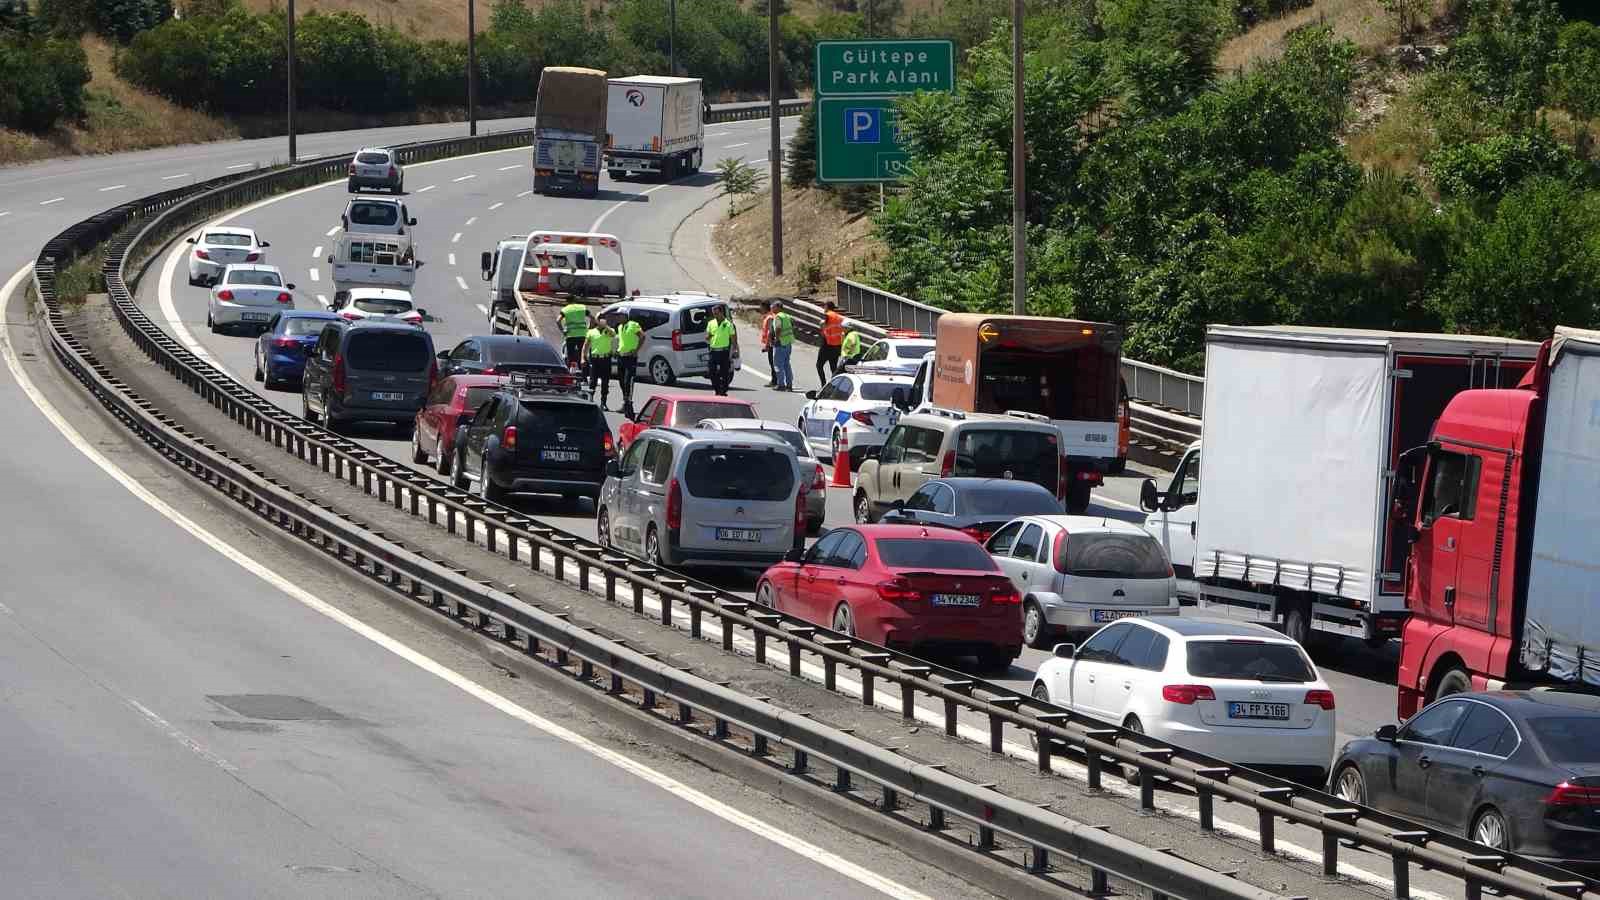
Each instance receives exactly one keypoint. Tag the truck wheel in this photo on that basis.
(669, 168)
(1078, 497)
(694, 162)
(1455, 681)
(1297, 624)
(1118, 466)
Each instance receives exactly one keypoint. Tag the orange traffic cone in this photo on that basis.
(542, 286)
(841, 468)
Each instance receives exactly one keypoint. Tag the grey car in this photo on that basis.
(682, 497)
(817, 494)
(368, 371)
(377, 167)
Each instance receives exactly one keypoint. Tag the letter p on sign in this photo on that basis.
(862, 126)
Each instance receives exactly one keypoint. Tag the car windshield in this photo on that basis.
(1107, 555)
(735, 473)
(372, 158)
(303, 327)
(374, 214)
(1249, 660)
(690, 411)
(1026, 455)
(541, 417)
(1567, 739)
(525, 352)
(878, 390)
(381, 306)
(256, 277)
(911, 349)
(389, 351)
(1008, 503)
(922, 553)
(223, 239)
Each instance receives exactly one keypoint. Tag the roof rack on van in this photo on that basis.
(541, 383)
(1031, 416)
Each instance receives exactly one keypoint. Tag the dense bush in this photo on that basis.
(44, 80)
(1491, 167)
(119, 20)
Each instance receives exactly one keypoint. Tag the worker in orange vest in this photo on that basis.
(766, 344)
(832, 337)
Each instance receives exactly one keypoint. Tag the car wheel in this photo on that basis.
(417, 455)
(602, 528)
(652, 547)
(1132, 724)
(211, 323)
(997, 660)
(863, 509)
(1349, 786)
(1490, 829)
(487, 489)
(441, 459)
(259, 376)
(305, 409)
(764, 595)
(844, 621)
(1035, 630)
(1455, 681)
(459, 479)
(661, 372)
(1041, 694)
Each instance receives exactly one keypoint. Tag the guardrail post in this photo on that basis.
(908, 700)
(758, 744)
(798, 764)
(1266, 822)
(638, 601)
(1039, 861)
(891, 799)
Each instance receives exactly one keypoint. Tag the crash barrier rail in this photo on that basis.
(153, 220)
(741, 112)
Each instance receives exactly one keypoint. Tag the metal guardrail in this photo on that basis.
(162, 215)
(741, 112)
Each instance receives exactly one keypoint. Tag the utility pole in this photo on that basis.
(290, 71)
(775, 154)
(472, 70)
(1019, 168)
(672, 37)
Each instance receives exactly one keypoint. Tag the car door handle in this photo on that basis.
(1127, 685)
(841, 580)
(1091, 678)
(1191, 529)
(1424, 762)
(1449, 543)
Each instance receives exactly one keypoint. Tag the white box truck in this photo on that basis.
(1312, 439)
(654, 126)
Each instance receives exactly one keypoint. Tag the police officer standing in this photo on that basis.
(720, 337)
(599, 343)
(850, 349)
(575, 325)
(782, 338)
(629, 336)
(832, 338)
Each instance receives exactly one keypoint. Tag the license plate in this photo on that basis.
(387, 395)
(254, 317)
(1111, 615)
(955, 600)
(738, 534)
(558, 455)
(1239, 710)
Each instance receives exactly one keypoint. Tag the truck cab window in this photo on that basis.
(1452, 487)
(1186, 484)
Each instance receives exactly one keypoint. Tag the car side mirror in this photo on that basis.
(811, 395)
(1387, 733)
(443, 355)
(344, 221)
(422, 312)
(900, 398)
(411, 222)
(192, 240)
(486, 262)
(613, 469)
(1065, 651)
(874, 452)
(1149, 497)
(265, 244)
(794, 555)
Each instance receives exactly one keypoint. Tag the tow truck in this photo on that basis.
(548, 268)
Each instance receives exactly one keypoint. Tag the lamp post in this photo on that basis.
(1019, 158)
(775, 153)
(290, 72)
(472, 71)
(672, 37)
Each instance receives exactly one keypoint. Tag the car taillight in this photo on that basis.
(1005, 595)
(674, 505)
(1568, 794)
(352, 168)
(677, 340)
(1323, 699)
(819, 481)
(608, 445)
(898, 590)
(413, 317)
(202, 254)
(799, 514)
(349, 316)
(392, 172)
(338, 374)
(252, 257)
(490, 371)
(863, 417)
(1186, 694)
(1063, 479)
(978, 534)
(286, 343)
(948, 464)
(224, 295)
(508, 438)
(285, 298)
(1058, 552)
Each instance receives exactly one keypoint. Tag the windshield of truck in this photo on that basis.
(903, 553)
(382, 306)
(389, 351)
(1107, 555)
(1567, 739)
(378, 214)
(1249, 660)
(732, 473)
(223, 239)
(1078, 384)
(1026, 455)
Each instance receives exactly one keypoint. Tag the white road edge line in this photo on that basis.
(734, 146)
(700, 799)
(621, 203)
(463, 282)
(240, 166)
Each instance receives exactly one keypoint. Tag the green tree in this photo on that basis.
(802, 153)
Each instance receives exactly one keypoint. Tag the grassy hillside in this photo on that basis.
(426, 19)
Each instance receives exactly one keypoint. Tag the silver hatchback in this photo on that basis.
(1076, 573)
(682, 497)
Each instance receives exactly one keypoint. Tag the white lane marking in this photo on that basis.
(112, 187)
(734, 146)
(54, 200)
(464, 178)
(509, 168)
(495, 206)
(240, 166)
(452, 259)
(485, 310)
(523, 194)
(621, 203)
(331, 231)
(172, 731)
(317, 253)
(426, 189)
(470, 221)
(315, 275)
(323, 299)
(463, 282)
(5, 213)
(456, 239)
(179, 175)
(805, 849)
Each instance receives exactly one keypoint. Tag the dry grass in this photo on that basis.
(424, 19)
(120, 118)
(820, 240)
(1362, 21)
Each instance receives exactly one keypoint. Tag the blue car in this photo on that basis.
(281, 350)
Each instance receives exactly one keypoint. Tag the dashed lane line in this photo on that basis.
(426, 189)
(456, 239)
(317, 253)
(509, 168)
(50, 201)
(465, 178)
(462, 282)
(112, 187)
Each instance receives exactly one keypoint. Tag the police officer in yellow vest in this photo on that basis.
(721, 338)
(850, 349)
(575, 325)
(598, 345)
(629, 336)
(782, 338)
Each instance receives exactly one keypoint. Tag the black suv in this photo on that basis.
(540, 434)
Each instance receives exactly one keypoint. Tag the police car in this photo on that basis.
(851, 413)
(898, 354)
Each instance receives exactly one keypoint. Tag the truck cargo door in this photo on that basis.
(1448, 503)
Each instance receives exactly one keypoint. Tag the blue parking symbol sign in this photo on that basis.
(863, 125)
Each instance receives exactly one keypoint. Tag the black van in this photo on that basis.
(368, 371)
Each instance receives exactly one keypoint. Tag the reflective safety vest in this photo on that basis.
(833, 328)
(575, 319)
(766, 331)
(785, 324)
(629, 336)
(600, 342)
(719, 334)
(851, 345)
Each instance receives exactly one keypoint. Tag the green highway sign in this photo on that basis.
(875, 68)
(858, 140)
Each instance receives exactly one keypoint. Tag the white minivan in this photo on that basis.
(674, 333)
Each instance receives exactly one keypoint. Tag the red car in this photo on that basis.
(451, 399)
(683, 411)
(905, 587)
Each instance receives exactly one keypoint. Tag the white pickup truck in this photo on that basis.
(374, 247)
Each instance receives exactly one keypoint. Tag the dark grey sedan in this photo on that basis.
(978, 506)
(1515, 770)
